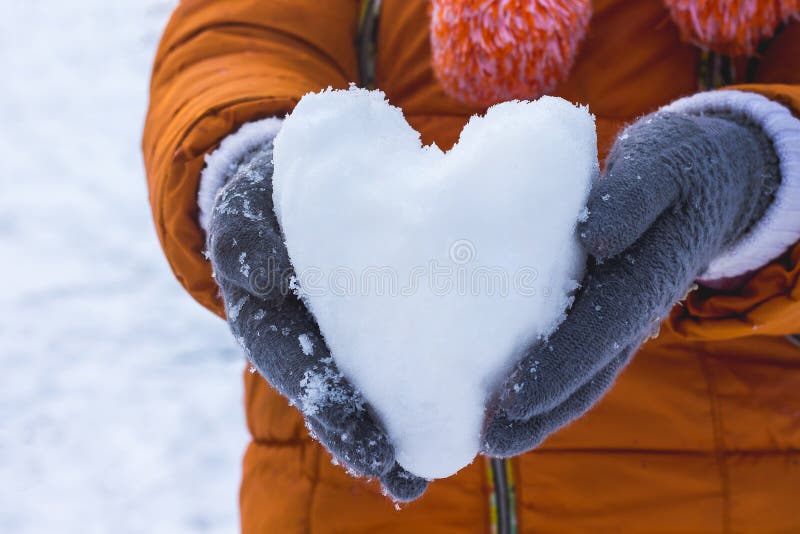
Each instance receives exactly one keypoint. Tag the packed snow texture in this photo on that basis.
(428, 272)
(121, 399)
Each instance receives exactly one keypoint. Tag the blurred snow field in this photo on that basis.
(120, 405)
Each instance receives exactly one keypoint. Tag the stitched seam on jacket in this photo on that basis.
(719, 444)
(223, 26)
(765, 360)
(281, 443)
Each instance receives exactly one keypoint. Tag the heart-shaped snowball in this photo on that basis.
(430, 272)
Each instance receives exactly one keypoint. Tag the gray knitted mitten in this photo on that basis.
(677, 190)
(279, 335)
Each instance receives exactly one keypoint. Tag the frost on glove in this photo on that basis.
(280, 336)
(677, 191)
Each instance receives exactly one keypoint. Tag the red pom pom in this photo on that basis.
(730, 27)
(489, 51)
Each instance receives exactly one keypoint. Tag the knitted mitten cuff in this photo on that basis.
(779, 228)
(221, 164)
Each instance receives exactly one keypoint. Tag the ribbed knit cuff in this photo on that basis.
(779, 228)
(221, 164)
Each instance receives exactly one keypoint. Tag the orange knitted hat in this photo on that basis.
(730, 27)
(489, 51)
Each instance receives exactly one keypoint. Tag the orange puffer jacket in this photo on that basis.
(700, 434)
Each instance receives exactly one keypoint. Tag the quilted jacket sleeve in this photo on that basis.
(221, 65)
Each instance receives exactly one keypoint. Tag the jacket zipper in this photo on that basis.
(505, 516)
(367, 41)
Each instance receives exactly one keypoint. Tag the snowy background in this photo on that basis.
(120, 406)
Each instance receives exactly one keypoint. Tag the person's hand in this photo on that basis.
(677, 190)
(281, 338)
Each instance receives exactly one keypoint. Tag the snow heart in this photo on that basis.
(427, 271)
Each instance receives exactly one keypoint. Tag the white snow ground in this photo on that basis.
(120, 406)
